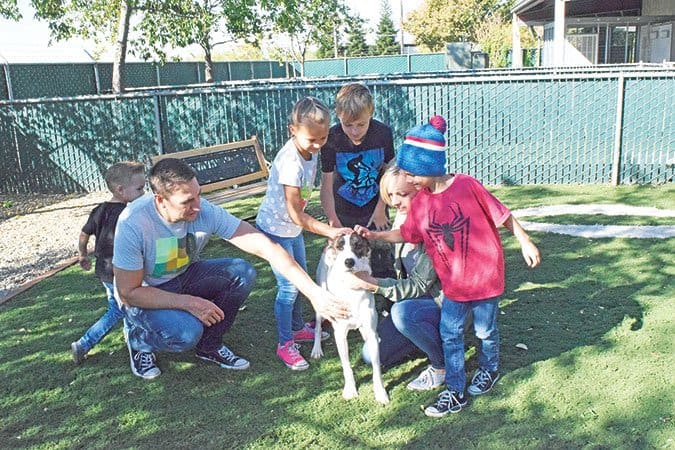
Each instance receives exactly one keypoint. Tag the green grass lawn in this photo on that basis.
(596, 317)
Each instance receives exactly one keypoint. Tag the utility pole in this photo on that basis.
(401, 27)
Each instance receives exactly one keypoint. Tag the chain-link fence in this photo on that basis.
(600, 125)
(25, 81)
(374, 65)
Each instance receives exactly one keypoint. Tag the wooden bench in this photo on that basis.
(226, 172)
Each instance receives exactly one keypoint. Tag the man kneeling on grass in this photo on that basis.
(173, 301)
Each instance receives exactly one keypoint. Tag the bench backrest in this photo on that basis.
(226, 165)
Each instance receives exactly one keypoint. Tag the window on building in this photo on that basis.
(622, 48)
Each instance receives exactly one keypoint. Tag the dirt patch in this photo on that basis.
(16, 205)
(39, 232)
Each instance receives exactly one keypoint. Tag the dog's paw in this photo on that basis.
(349, 392)
(317, 352)
(382, 397)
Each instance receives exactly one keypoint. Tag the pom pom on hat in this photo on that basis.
(438, 122)
(423, 151)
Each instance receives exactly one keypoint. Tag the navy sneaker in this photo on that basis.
(482, 381)
(448, 402)
(143, 364)
(224, 358)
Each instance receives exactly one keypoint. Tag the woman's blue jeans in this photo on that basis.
(287, 311)
(227, 282)
(412, 325)
(453, 316)
(103, 325)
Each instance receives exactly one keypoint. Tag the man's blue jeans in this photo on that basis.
(412, 325)
(227, 282)
(103, 325)
(287, 311)
(453, 316)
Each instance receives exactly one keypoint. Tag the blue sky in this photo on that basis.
(28, 39)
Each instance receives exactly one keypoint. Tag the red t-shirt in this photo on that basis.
(459, 229)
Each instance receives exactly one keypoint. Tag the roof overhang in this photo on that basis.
(539, 12)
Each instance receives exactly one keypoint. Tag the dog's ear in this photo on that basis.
(330, 253)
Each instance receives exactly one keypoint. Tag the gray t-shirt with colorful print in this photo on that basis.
(144, 240)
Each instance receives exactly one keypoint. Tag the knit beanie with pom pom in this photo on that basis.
(423, 151)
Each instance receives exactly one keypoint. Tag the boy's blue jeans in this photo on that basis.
(103, 325)
(453, 316)
(287, 311)
(227, 282)
(412, 325)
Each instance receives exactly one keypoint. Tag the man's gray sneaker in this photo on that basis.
(428, 379)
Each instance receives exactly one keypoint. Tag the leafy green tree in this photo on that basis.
(356, 38)
(158, 24)
(494, 37)
(326, 46)
(9, 10)
(99, 20)
(385, 43)
(331, 39)
(330, 43)
(207, 23)
(438, 22)
(240, 51)
(302, 24)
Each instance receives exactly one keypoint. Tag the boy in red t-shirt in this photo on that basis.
(457, 218)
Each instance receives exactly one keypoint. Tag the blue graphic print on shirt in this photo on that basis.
(359, 170)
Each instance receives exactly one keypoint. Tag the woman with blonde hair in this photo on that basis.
(412, 326)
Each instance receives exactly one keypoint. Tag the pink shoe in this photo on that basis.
(306, 334)
(290, 355)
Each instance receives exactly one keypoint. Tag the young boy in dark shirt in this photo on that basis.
(126, 182)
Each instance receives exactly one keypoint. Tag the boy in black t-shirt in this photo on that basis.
(352, 162)
(126, 182)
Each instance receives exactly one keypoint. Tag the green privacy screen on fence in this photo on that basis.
(509, 127)
(32, 81)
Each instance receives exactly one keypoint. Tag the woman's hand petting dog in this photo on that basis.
(361, 281)
(363, 232)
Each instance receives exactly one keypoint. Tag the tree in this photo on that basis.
(438, 22)
(303, 23)
(330, 42)
(385, 44)
(240, 51)
(158, 24)
(9, 10)
(356, 38)
(99, 20)
(207, 23)
(494, 37)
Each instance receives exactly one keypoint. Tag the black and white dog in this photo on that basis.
(350, 253)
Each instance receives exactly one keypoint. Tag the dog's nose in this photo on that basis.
(349, 262)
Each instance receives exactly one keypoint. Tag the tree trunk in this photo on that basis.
(208, 64)
(121, 48)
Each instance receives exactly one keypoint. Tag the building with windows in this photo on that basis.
(587, 32)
